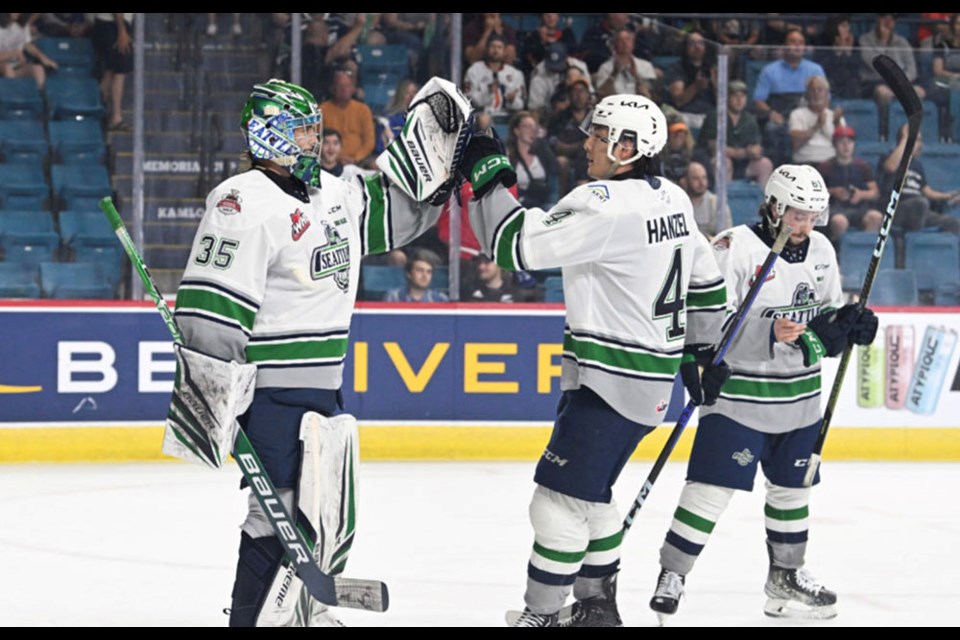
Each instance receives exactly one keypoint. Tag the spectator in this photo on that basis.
(691, 82)
(744, 150)
(113, 42)
(395, 113)
(492, 284)
(812, 124)
(678, 152)
(597, 40)
(536, 165)
(212, 27)
(63, 25)
(415, 31)
(711, 218)
(777, 28)
(779, 89)
(883, 39)
(623, 72)
(920, 204)
(493, 85)
(419, 273)
(929, 33)
(550, 74)
(352, 118)
(739, 36)
(946, 74)
(537, 42)
(854, 193)
(330, 160)
(19, 57)
(329, 46)
(477, 32)
(567, 137)
(837, 57)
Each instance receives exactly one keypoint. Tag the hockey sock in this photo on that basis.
(787, 520)
(257, 565)
(561, 538)
(603, 551)
(697, 513)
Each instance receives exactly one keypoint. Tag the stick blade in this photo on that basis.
(901, 86)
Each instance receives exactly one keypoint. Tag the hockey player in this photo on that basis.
(642, 292)
(271, 284)
(768, 413)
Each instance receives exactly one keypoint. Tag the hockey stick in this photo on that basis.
(892, 74)
(732, 328)
(370, 595)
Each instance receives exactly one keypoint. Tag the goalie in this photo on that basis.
(265, 306)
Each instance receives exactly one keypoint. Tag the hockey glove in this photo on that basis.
(703, 386)
(827, 334)
(864, 329)
(485, 165)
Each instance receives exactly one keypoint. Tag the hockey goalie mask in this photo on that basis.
(798, 186)
(629, 117)
(271, 117)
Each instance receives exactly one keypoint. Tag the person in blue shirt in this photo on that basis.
(419, 271)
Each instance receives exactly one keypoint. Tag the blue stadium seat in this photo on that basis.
(30, 249)
(934, 256)
(856, 251)
(929, 125)
(75, 186)
(74, 56)
(26, 222)
(18, 281)
(579, 23)
(744, 198)
(441, 278)
(895, 288)
(378, 95)
(393, 59)
(861, 114)
(77, 141)
(84, 223)
(553, 289)
(20, 99)
(378, 279)
(70, 280)
(752, 73)
(871, 151)
(21, 139)
(23, 186)
(941, 162)
(73, 98)
(947, 295)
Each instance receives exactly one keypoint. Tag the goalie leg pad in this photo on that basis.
(208, 395)
(258, 563)
(423, 158)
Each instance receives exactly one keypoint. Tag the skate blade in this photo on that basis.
(793, 610)
(662, 618)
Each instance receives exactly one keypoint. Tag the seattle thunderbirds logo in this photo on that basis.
(332, 260)
(804, 307)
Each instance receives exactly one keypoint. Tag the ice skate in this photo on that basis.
(599, 611)
(794, 593)
(666, 598)
(528, 618)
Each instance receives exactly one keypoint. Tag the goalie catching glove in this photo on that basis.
(208, 395)
(702, 385)
(423, 158)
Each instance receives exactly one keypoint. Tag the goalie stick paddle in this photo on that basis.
(370, 595)
(893, 75)
(729, 334)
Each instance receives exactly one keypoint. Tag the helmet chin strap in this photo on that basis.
(614, 167)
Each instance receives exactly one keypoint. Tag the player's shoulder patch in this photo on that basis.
(598, 191)
(229, 204)
(723, 242)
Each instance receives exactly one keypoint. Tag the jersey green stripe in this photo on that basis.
(376, 216)
(694, 521)
(770, 389)
(707, 298)
(605, 544)
(307, 350)
(620, 358)
(507, 241)
(568, 557)
(215, 303)
(786, 514)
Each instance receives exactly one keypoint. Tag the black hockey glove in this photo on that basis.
(485, 165)
(703, 386)
(827, 335)
(864, 329)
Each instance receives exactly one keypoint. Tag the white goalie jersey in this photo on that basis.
(639, 281)
(770, 389)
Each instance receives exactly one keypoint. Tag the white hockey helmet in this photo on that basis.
(631, 117)
(799, 186)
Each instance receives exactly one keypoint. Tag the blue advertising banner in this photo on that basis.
(99, 364)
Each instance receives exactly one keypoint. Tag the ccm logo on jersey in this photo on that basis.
(550, 456)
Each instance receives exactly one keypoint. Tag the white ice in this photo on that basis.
(155, 545)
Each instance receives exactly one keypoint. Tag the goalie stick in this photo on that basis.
(893, 75)
(370, 595)
(729, 334)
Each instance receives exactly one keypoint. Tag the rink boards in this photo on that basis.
(91, 382)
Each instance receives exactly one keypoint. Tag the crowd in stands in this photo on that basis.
(798, 87)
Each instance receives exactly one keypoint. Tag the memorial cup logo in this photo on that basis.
(332, 260)
(230, 204)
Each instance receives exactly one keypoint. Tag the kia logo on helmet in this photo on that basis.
(635, 105)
